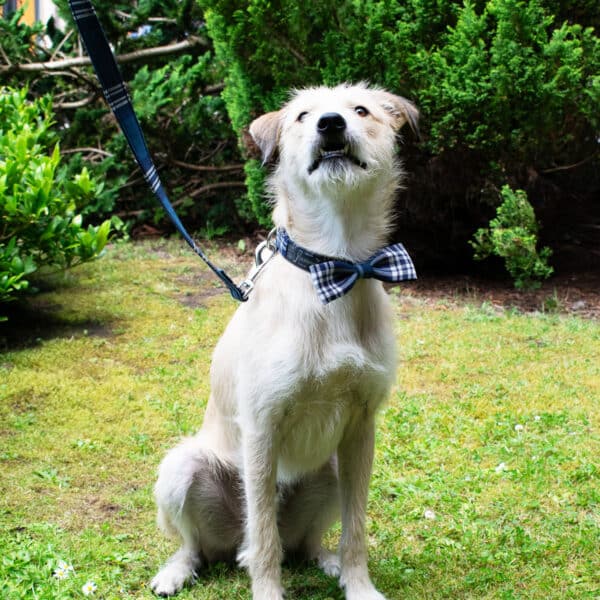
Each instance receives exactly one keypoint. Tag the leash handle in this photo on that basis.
(118, 99)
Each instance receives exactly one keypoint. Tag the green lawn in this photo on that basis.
(487, 476)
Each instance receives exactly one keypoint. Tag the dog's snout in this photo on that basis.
(331, 124)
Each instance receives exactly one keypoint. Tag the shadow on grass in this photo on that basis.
(301, 578)
(32, 322)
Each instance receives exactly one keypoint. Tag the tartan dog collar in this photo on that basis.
(333, 278)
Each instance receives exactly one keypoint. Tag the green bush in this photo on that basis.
(506, 88)
(509, 93)
(176, 96)
(40, 207)
(512, 235)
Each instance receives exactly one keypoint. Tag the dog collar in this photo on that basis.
(333, 278)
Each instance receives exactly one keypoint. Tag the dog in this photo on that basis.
(287, 440)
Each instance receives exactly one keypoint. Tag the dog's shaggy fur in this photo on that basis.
(288, 435)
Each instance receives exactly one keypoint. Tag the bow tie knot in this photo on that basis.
(364, 270)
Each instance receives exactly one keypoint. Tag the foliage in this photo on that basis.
(16, 35)
(508, 92)
(40, 207)
(486, 459)
(512, 235)
(511, 83)
(506, 89)
(177, 99)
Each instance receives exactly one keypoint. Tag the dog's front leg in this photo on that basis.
(355, 460)
(261, 552)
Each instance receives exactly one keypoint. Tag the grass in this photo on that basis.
(487, 477)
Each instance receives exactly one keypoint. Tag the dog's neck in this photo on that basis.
(349, 222)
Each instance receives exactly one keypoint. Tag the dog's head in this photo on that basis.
(342, 134)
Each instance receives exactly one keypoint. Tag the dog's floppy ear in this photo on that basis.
(402, 110)
(265, 133)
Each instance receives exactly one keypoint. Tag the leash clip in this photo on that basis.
(260, 262)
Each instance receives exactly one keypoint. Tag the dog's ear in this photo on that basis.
(265, 133)
(402, 110)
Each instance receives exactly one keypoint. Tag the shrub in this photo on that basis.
(176, 96)
(508, 92)
(512, 235)
(39, 206)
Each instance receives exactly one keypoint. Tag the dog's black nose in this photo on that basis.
(331, 124)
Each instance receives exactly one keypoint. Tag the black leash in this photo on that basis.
(118, 99)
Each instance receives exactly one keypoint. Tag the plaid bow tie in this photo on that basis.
(333, 278)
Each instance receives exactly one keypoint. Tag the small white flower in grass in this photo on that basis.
(500, 468)
(60, 573)
(537, 418)
(519, 427)
(429, 514)
(89, 588)
(63, 570)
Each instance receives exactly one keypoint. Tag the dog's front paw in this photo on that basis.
(170, 580)
(364, 593)
(269, 590)
(360, 589)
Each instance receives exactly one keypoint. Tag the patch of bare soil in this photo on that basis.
(577, 294)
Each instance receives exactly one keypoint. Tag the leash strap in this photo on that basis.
(118, 99)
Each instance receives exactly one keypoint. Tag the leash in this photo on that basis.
(118, 99)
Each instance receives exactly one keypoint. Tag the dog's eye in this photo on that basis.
(361, 111)
(301, 116)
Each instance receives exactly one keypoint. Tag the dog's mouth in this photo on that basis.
(335, 152)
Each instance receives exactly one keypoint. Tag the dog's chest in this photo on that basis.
(316, 417)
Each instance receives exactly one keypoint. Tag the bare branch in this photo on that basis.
(209, 187)
(76, 103)
(88, 150)
(127, 16)
(570, 167)
(124, 58)
(198, 192)
(61, 44)
(5, 57)
(215, 88)
(74, 74)
(212, 168)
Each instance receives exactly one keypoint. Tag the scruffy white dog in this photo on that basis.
(298, 376)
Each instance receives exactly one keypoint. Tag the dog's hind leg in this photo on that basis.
(308, 508)
(199, 501)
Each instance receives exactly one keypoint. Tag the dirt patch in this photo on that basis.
(196, 287)
(89, 510)
(24, 401)
(576, 294)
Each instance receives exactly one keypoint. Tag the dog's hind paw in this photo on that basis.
(329, 562)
